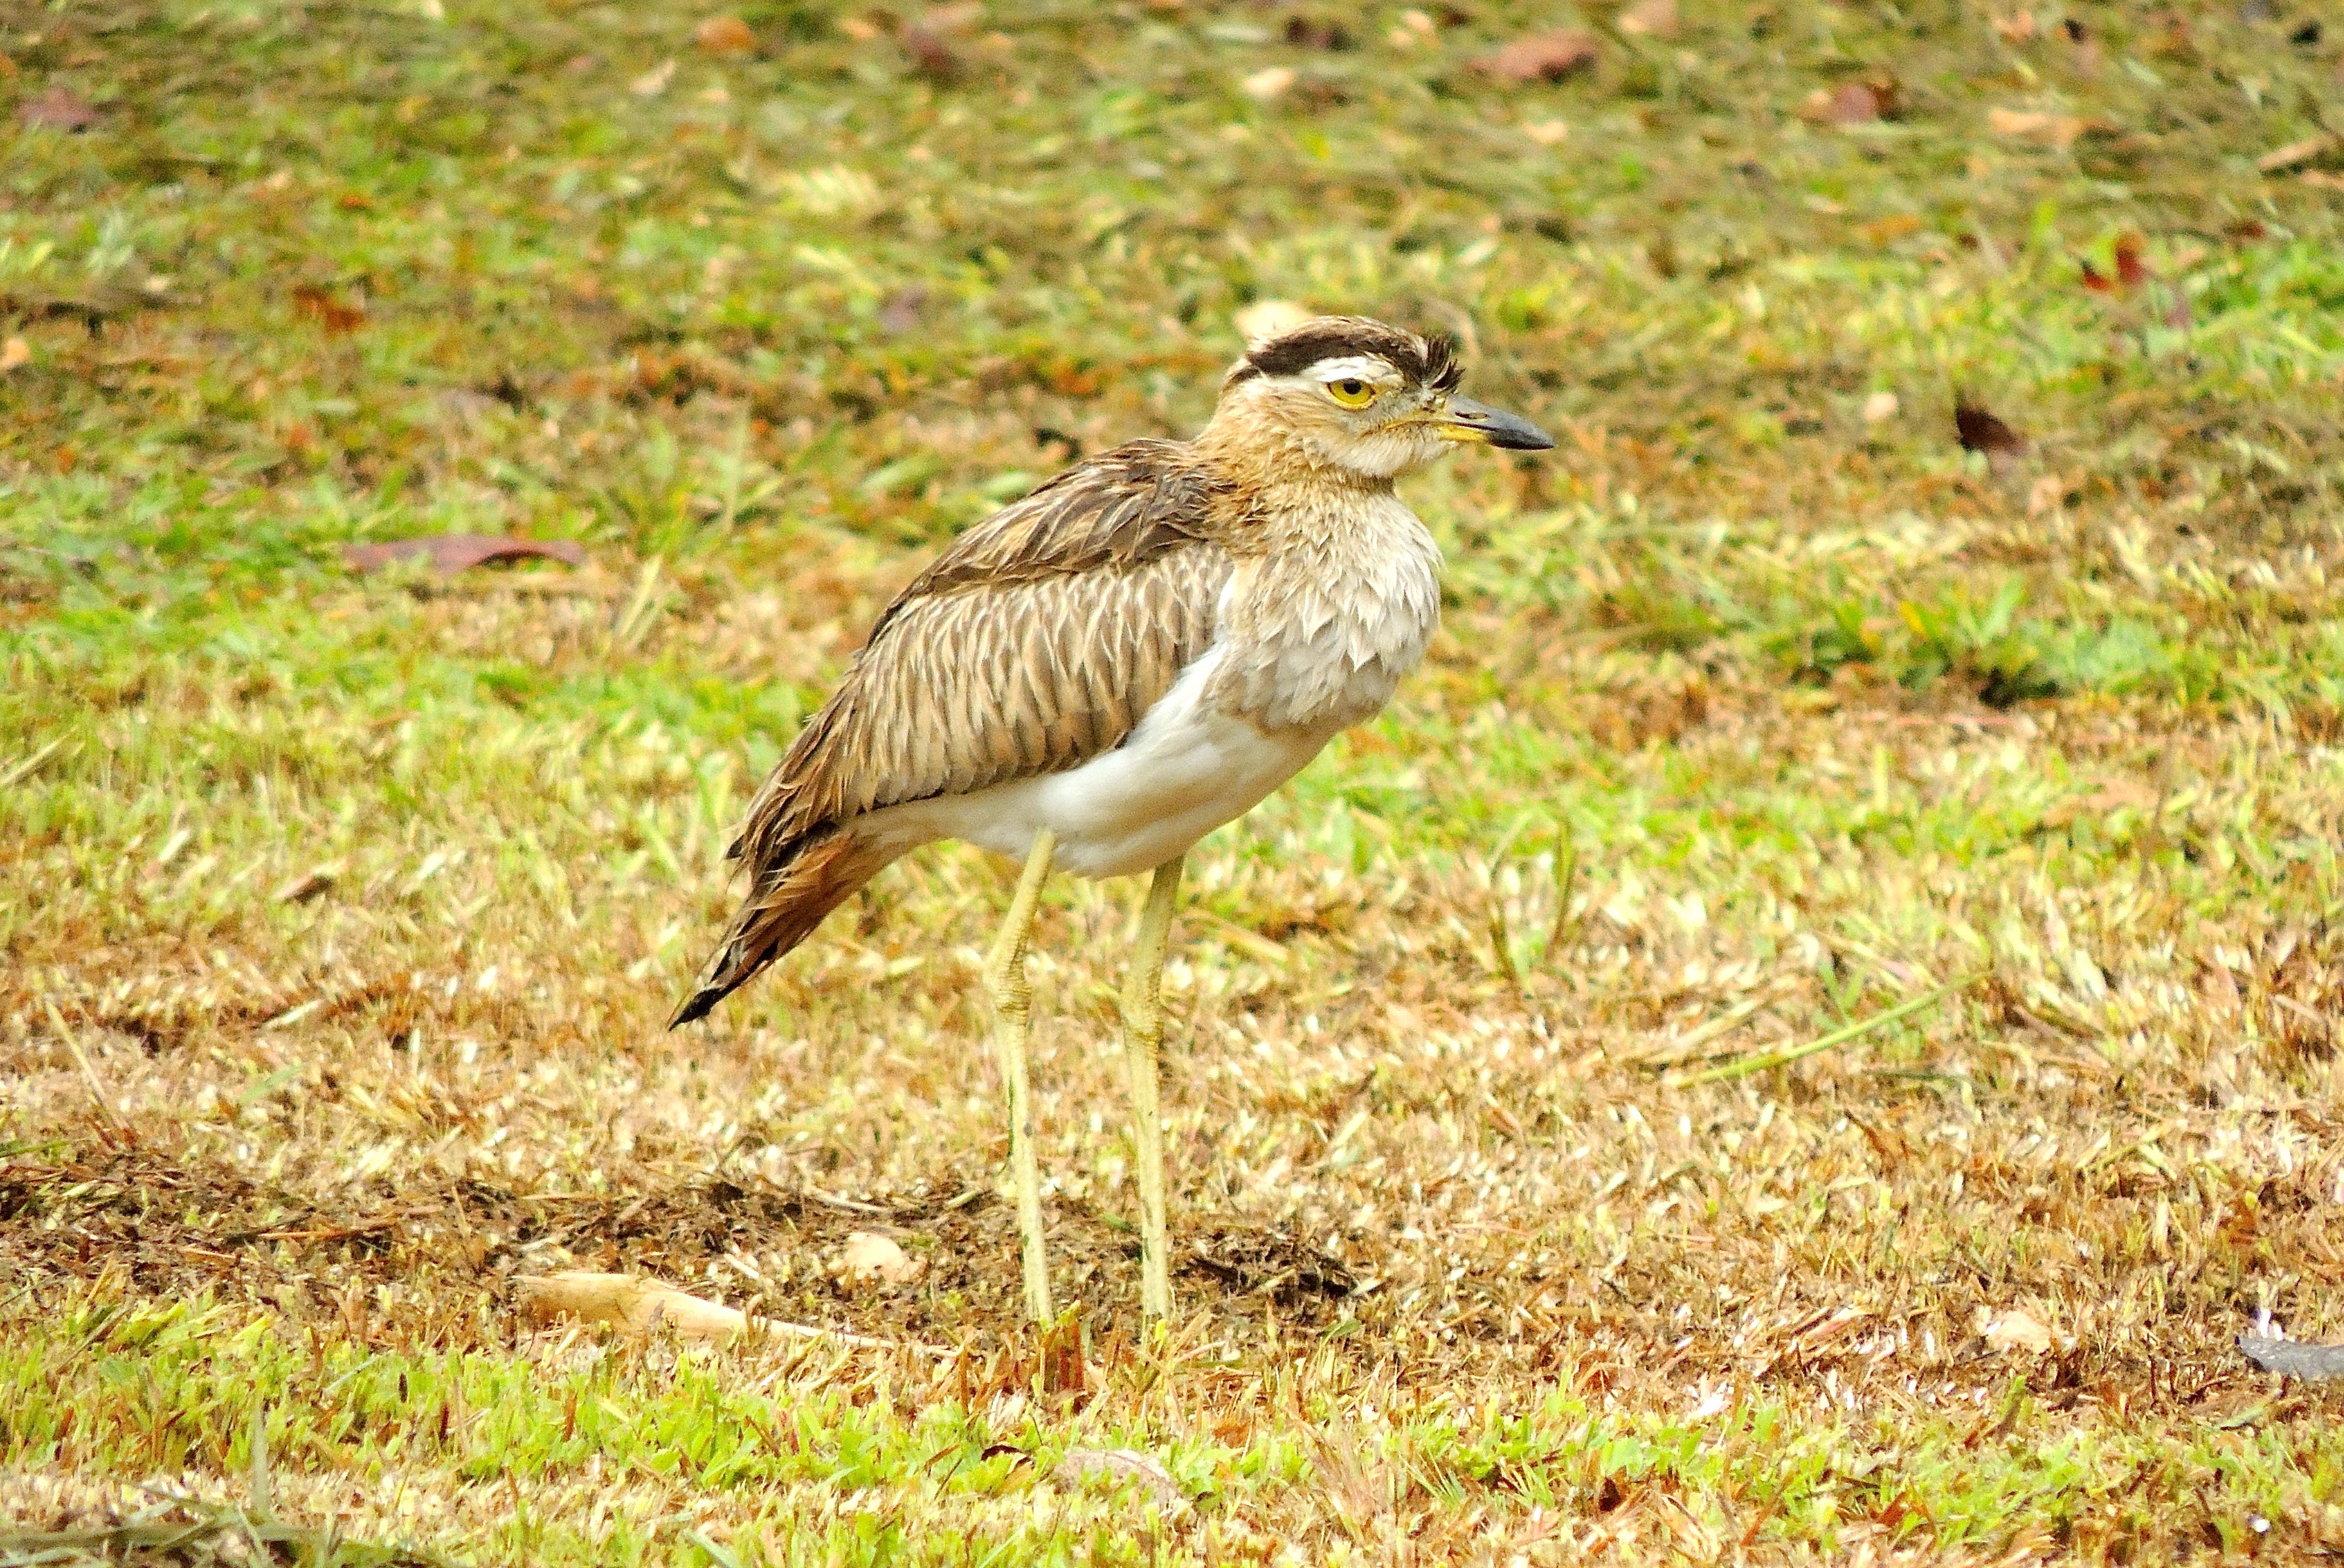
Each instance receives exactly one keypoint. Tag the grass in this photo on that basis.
(338, 912)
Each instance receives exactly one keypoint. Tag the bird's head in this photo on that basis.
(1366, 399)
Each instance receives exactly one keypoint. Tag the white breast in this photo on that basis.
(1186, 770)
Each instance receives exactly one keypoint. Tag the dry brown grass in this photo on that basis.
(338, 914)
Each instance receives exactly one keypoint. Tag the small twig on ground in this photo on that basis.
(22, 769)
(641, 1306)
(1766, 1059)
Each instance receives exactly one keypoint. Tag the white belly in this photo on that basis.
(1185, 771)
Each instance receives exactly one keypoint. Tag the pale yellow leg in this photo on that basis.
(1013, 1010)
(1143, 1034)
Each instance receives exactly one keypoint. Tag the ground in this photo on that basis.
(1996, 760)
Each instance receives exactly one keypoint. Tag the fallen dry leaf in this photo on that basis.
(1063, 1369)
(1548, 133)
(1540, 57)
(871, 1259)
(58, 109)
(2016, 29)
(2131, 270)
(1649, 19)
(725, 35)
(1268, 84)
(1265, 318)
(13, 353)
(1896, 226)
(1880, 405)
(1118, 1464)
(336, 316)
(1981, 430)
(2059, 131)
(1316, 32)
(1414, 27)
(1849, 104)
(900, 312)
(2014, 1329)
(653, 82)
(453, 553)
(929, 54)
(311, 885)
(2293, 155)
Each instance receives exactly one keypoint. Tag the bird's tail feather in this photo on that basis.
(788, 899)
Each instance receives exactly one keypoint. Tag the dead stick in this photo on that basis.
(643, 1306)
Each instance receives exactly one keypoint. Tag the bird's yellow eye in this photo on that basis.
(1351, 392)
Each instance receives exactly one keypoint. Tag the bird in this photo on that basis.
(1098, 675)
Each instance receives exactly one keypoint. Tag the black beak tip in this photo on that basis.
(1527, 438)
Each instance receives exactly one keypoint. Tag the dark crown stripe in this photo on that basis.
(1431, 362)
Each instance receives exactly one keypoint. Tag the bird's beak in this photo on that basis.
(1466, 420)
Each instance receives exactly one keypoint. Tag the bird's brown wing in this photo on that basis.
(1035, 643)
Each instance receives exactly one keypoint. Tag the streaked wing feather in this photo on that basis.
(1037, 642)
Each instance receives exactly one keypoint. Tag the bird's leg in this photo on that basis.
(1143, 1031)
(1013, 1010)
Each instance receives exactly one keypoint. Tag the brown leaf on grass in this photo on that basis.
(1850, 103)
(1119, 1464)
(871, 1259)
(900, 312)
(1062, 1368)
(1268, 84)
(1316, 32)
(1649, 19)
(2131, 270)
(453, 553)
(336, 316)
(2295, 153)
(725, 35)
(2016, 29)
(58, 109)
(1540, 57)
(926, 47)
(1265, 318)
(2087, 57)
(14, 352)
(2016, 1329)
(310, 886)
(2059, 131)
(1981, 430)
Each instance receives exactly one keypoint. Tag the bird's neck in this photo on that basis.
(1279, 472)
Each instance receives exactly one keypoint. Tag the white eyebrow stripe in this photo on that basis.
(1371, 369)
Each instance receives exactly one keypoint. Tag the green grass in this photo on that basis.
(339, 912)
(179, 1389)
